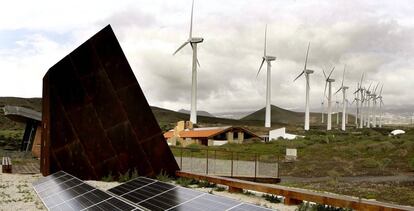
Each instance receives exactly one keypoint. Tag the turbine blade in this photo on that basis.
(299, 75)
(261, 65)
(362, 78)
(343, 76)
(375, 90)
(182, 46)
(338, 90)
(306, 60)
(198, 63)
(381, 90)
(191, 23)
(264, 53)
(331, 72)
(324, 74)
(324, 92)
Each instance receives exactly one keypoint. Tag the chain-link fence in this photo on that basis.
(226, 163)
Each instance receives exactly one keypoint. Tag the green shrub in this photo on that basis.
(369, 163)
(108, 178)
(185, 182)
(205, 184)
(163, 176)
(272, 198)
(124, 177)
(411, 164)
(219, 188)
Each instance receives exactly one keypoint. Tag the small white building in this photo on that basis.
(281, 133)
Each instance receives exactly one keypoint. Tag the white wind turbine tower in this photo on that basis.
(337, 111)
(368, 106)
(268, 60)
(361, 91)
(381, 103)
(322, 109)
(329, 80)
(193, 41)
(307, 72)
(374, 106)
(344, 103)
(356, 100)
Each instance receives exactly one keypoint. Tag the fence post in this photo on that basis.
(207, 162)
(181, 158)
(215, 157)
(232, 157)
(255, 166)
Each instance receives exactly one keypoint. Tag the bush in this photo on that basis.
(369, 163)
(185, 182)
(271, 198)
(163, 176)
(411, 164)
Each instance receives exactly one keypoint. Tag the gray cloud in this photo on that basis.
(375, 37)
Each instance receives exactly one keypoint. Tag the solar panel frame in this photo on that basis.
(62, 191)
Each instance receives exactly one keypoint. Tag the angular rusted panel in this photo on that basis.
(96, 120)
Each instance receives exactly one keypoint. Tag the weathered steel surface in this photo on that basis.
(96, 120)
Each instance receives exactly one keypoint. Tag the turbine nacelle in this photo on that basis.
(345, 87)
(309, 71)
(196, 40)
(330, 80)
(269, 58)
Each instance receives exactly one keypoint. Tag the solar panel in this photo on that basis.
(156, 195)
(62, 191)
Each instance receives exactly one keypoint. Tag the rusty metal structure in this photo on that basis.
(96, 120)
(32, 132)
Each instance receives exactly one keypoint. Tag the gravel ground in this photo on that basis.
(17, 193)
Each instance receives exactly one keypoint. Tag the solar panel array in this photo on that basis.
(62, 191)
(156, 195)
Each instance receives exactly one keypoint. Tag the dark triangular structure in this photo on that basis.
(96, 120)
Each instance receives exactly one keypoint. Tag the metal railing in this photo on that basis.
(226, 163)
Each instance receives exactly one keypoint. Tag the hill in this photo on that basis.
(32, 103)
(199, 113)
(283, 116)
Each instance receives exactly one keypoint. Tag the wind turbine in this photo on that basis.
(368, 106)
(356, 100)
(381, 103)
(307, 73)
(329, 80)
(374, 106)
(322, 110)
(362, 99)
(344, 103)
(268, 60)
(193, 41)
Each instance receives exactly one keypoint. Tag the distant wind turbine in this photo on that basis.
(307, 72)
(357, 111)
(368, 106)
(328, 81)
(322, 110)
(268, 60)
(361, 99)
(381, 103)
(374, 106)
(344, 104)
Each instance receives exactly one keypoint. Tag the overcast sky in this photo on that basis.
(375, 37)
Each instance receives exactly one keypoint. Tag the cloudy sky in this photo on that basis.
(375, 37)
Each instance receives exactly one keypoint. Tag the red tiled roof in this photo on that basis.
(203, 132)
(197, 133)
